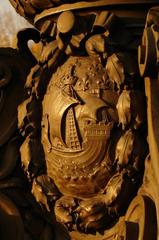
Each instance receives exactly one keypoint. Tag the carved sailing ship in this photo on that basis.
(78, 139)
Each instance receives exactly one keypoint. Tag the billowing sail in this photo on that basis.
(57, 103)
(88, 110)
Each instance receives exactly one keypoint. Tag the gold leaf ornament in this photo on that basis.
(95, 45)
(113, 188)
(115, 70)
(124, 108)
(124, 148)
(39, 195)
(26, 154)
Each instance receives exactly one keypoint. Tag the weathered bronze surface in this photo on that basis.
(79, 134)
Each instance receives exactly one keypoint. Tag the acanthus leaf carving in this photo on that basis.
(124, 148)
(115, 70)
(124, 108)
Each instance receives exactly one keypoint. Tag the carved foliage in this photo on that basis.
(87, 177)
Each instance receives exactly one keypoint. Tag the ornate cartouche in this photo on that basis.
(76, 149)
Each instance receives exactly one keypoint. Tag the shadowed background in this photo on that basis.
(10, 24)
